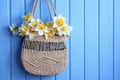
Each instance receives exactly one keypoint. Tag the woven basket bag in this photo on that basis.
(41, 56)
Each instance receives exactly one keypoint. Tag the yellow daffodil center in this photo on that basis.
(42, 26)
(49, 25)
(55, 31)
(63, 28)
(35, 23)
(28, 17)
(48, 34)
(60, 22)
(67, 36)
(24, 29)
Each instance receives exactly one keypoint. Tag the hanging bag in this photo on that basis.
(42, 56)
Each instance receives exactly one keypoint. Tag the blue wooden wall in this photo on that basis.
(94, 46)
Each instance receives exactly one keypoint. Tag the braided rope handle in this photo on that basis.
(50, 12)
(34, 7)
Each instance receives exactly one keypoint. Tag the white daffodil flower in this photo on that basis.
(23, 29)
(31, 33)
(34, 23)
(13, 29)
(68, 32)
(62, 30)
(41, 29)
(58, 21)
(28, 17)
(70, 28)
(49, 25)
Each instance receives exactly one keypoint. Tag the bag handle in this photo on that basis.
(34, 7)
(54, 9)
(50, 12)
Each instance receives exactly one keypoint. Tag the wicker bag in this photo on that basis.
(42, 56)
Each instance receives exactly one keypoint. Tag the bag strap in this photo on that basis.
(50, 12)
(34, 7)
(54, 9)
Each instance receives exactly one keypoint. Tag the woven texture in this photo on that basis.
(51, 39)
(44, 62)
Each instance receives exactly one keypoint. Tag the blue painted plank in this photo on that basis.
(64, 11)
(82, 45)
(38, 11)
(28, 9)
(5, 52)
(116, 40)
(91, 39)
(28, 6)
(45, 17)
(32, 77)
(17, 10)
(106, 40)
(77, 40)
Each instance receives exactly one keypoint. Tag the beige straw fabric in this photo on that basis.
(44, 63)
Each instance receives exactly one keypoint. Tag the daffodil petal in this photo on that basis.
(40, 32)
